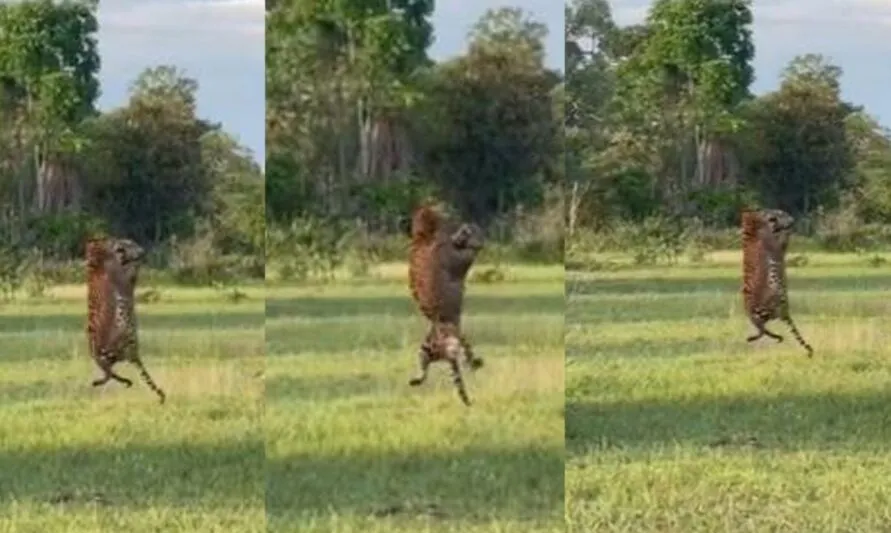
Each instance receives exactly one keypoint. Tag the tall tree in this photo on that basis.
(489, 123)
(590, 87)
(800, 156)
(682, 84)
(145, 163)
(49, 64)
(339, 79)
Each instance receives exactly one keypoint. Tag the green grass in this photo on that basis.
(352, 448)
(78, 459)
(675, 424)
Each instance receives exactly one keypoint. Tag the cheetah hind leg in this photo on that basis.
(798, 337)
(459, 381)
(424, 357)
(108, 374)
(108, 377)
(762, 331)
(143, 373)
(472, 360)
(454, 349)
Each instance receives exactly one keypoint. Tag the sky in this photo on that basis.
(219, 43)
(453, 19)
(853, 34)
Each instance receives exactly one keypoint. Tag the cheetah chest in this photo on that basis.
(124, 319)
(776, 283)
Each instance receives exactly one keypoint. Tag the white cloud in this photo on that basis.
(220, 43)
(452, 20)
(229, 18)
(862, 13)
(210, 34)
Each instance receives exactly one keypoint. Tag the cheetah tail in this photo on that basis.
(143, 373)
(458, 380)
(798, 337)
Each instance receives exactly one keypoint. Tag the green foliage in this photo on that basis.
(799, 156)
(49, 50)
(15, 265)
(200, 261)
(488, 120)
(384, 205)
(338, 81)
(62, 236)
(308, 249)
(660, 124)
(361, 125)
(150, 170)
(147, 163)
(537, 236)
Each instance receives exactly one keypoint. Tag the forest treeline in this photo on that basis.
(151, 170)
(362, 124)
(665, 140)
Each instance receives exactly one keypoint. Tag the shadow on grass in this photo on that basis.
(403, 306)
(657, 285)
(473, 484)
(56, 322)
(786, 422)
(136, 476)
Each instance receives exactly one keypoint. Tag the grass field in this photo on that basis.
(352, 448)
(78, 459)
(675, 424)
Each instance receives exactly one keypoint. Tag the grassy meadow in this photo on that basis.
(351, 447)
(675, 424)
(79, 459)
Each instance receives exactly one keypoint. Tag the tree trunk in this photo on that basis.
(573, 209)
(58, 189)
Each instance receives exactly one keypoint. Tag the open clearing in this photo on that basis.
(80, 459)
(352, 448)
(675, 424)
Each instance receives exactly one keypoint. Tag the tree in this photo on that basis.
(681, 86)
(590, 88)
(237, 215)
(799, 156)
(146, 167)
(488, 121)
(339, 81)
(49, 64)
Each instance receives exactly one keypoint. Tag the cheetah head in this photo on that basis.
(777, 221)
(468, 235)
(125, 251)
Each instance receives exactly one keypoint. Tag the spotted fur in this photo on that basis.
(441, 255)
(112, 330)
(445, 343)
(765, 237)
